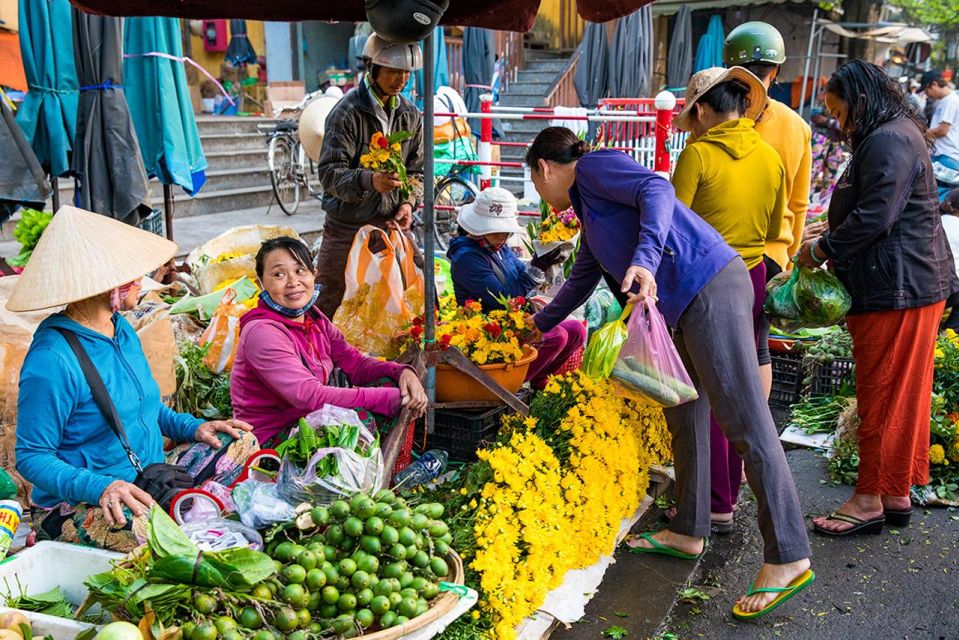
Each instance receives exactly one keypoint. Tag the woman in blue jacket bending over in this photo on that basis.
(636, 233)
(484, 269)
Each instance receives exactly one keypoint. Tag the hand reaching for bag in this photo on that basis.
(646, 280)
(207, 431)
(119, 494)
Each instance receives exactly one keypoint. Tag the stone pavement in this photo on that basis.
(190, 232)
(900, 584)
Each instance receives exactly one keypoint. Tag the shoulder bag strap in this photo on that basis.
(100, 394)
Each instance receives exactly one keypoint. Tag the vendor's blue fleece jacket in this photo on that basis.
(631, 217)
(475, 277)
(64, 445)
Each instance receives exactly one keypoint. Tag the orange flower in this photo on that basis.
(379, 141)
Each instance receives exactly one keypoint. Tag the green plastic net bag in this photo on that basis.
(604, 345)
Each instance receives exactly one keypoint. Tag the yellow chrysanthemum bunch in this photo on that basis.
(937, 454)
(559, 227)
(558, 491)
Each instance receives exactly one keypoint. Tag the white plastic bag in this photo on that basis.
(355, 472)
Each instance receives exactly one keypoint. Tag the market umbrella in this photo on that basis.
(679, 60)
(506, 15)
(709, 53)
(479, 56)
(160, 106)
(240, 50)
(22, 181)
(631, 56)
(48, 115)
(592, 71)
(107, 157)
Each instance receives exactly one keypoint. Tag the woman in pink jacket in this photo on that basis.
(288, 349)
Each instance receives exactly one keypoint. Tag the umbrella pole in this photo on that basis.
(55, 184)
(168, 210)
(429, 222)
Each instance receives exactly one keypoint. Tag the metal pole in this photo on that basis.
(429, 222)
(805, 74)
(814, 98)
(55, 183)
(168, 210)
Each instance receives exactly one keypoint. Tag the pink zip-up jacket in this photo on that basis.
(282, 366)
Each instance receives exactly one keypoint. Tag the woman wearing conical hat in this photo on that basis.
(82, 469)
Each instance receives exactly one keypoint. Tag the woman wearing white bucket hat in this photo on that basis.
(91, 475)
(484, 269)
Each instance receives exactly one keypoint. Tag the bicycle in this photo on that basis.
(290, 168)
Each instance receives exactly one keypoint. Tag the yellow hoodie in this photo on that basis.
(736, 182)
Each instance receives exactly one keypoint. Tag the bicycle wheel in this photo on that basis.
(451, 191)
(286, 186)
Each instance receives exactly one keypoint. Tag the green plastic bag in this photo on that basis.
(806, 298)
(604, 346)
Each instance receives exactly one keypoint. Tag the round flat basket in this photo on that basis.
(441, 605)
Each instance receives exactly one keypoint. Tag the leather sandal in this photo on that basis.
(859, 526)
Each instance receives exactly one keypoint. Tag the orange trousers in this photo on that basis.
(894, 353)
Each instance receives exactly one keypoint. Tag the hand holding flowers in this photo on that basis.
(385, 159)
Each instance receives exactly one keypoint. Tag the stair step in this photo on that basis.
(525, 76)
(552, 66)
(233, 142)
(230, 124)
(223, 200)
(536, 89)
(242, 159)
(523, 101)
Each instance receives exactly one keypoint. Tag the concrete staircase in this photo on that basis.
(237, 174)
(532, 85)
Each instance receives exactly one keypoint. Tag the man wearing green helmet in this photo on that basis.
(759, 47)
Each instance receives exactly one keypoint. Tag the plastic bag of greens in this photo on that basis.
(822, 299)
(601, 308)
(648, 367)
(780, 303)
(604, 345)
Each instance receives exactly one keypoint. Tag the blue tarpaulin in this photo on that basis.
(159, 100)
(48, 115)
(709, 53)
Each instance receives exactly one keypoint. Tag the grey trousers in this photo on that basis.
(715, 340)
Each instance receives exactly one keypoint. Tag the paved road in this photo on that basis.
(898, 585)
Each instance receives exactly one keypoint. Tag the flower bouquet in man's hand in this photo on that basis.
(386, 156)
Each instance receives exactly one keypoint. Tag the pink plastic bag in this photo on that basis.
(649, 368)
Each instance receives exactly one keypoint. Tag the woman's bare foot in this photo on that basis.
(677, 541)
(860, 505)
(772, 575)
(896, 503)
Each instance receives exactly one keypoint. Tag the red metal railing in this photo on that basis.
(639, 138)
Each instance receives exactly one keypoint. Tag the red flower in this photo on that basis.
(445, 340)
(418, 321)
(493, 329)
(383, 143)
(416, 332)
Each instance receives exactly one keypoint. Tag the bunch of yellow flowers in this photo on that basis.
(559, 226)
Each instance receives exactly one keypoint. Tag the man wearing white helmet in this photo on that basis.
(354, 196)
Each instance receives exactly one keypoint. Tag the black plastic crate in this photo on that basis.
(153, 222)
(787, 378)
(461, 432)
(828, 378)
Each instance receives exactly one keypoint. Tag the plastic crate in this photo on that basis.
(46, 565)
(788, 376)
(826, 379)
(153, 222)
(461, 432)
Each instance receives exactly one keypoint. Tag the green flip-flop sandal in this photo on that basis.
(661, 549)
(785, 593)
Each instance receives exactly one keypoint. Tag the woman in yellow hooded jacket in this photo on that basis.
(737, 183)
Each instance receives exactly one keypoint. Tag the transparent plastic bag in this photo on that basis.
(260, 505)
(648, 367)
(355, 472)
(604, 346)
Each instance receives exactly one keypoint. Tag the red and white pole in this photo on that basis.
(486, 140)
(665, 103)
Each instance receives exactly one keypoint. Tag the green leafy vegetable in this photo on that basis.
(166, 538)
(615, 632)
(27, 232)
(200, 392)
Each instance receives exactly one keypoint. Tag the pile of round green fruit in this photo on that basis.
(355, 567)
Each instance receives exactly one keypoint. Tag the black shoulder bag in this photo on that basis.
(162, 481)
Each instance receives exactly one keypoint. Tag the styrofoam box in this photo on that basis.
(46, 565)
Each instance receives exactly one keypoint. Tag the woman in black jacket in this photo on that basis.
(887, 245)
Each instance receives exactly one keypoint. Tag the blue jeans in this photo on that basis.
(952, 163)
